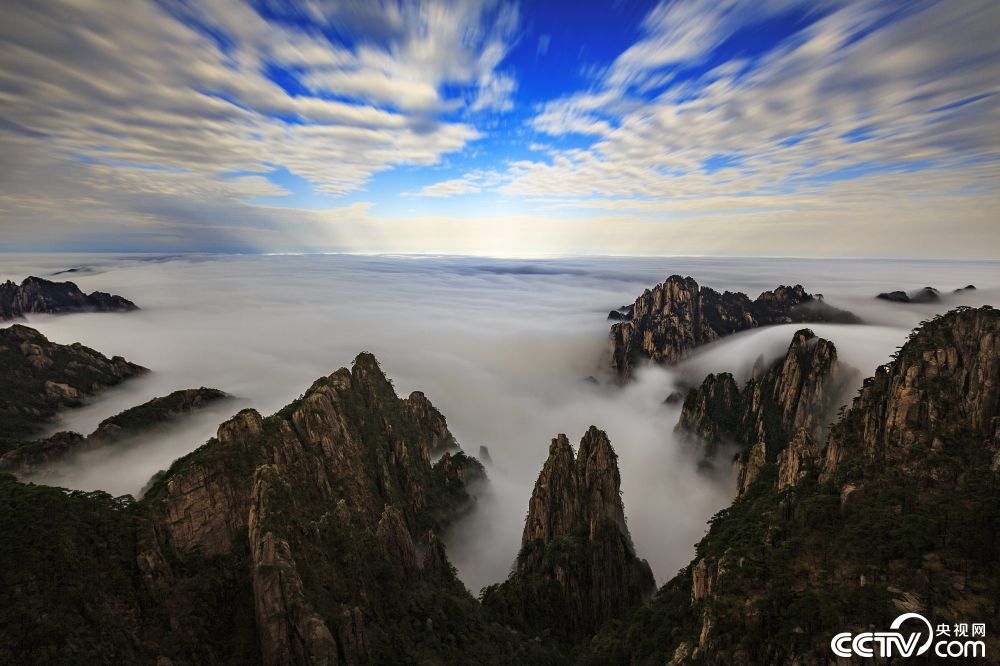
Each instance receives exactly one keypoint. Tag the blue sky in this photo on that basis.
(490, 127)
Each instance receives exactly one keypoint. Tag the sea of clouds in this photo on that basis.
(501, 347)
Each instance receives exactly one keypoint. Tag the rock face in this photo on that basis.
(668, 321)
(307, 537)
(941, 393)
(577, 567)
(27, 457)
(797, 394)
(36, 295)
(41, 377)
(712, 411)
(897, 513)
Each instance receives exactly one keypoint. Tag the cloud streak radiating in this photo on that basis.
(291, 125)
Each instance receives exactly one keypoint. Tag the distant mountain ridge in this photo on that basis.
(37, 295)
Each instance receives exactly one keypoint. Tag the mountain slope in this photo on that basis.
(305, 537)
(25, 458)
(900, 514)
(41, 377)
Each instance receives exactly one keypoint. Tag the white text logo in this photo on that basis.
(918, 640)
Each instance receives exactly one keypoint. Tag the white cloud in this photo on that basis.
(845, 73)
(474, 181)
(144, 84)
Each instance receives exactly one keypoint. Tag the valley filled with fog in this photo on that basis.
(502, 347)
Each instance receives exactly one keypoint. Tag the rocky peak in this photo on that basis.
(553, 507)
(800, 386)
(338, 481)
(599, 482)
(585, 490)
(711, 411)
(577, 567)
(940, 393)
(798, 392)
(246, 425)
(433, 423)
(668, 321)
(349, 435)
(37, 295)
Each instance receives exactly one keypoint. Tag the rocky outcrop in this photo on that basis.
(343, 497)
(290, 630)
(798, 393)
(158, 411)
(797, 459)
(895, 514)
(37, 296)
(26, 458)
(42, 377)
(925, 295)
(577, 567)
(670, 320)
(940, 394)
(439, 439)
(711, 412)
(621, 313)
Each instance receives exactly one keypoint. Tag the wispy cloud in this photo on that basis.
(850, 96)
(172, 123)
(129, 92)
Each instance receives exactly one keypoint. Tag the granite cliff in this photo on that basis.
(39, 296)
(896, 513)
(577, 568)
(778, 415)
(668, 321)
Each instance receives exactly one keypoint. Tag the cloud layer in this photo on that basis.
(830, 128)
(502, 347)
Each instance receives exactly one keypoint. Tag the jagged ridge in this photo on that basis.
(668, 321)
(295, 538)
(37, 296)
(27, 457)
(788, 403)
